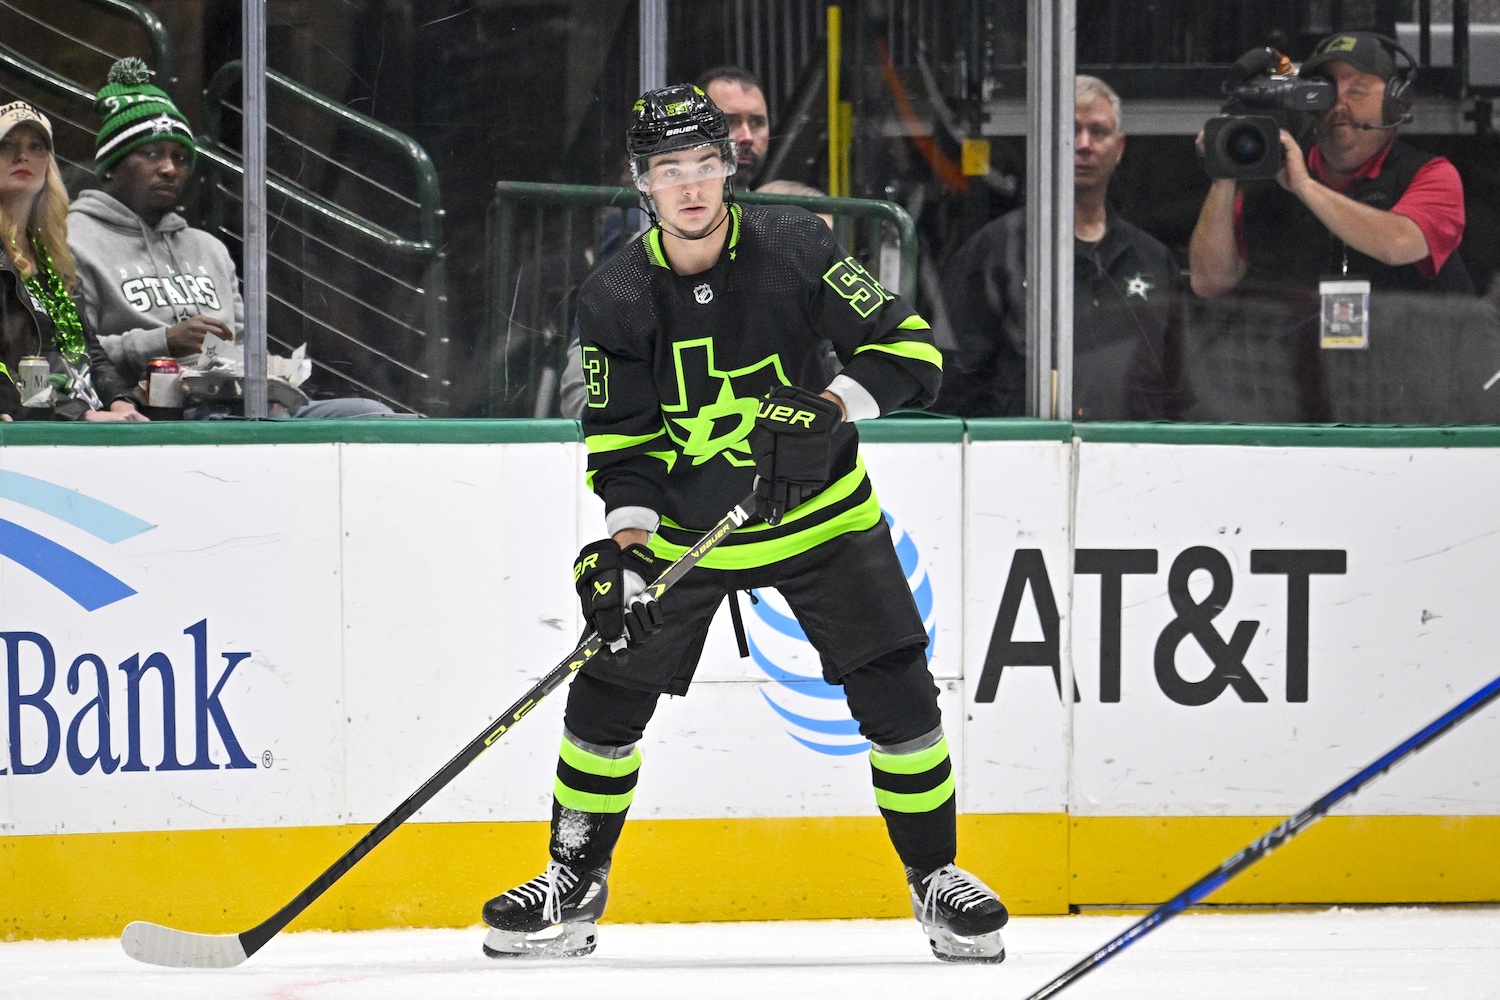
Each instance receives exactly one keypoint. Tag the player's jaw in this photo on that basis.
(692, 213)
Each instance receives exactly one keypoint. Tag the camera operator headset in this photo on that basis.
(1364, 201)
(1396, 100)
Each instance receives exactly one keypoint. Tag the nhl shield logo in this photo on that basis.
(704, 293)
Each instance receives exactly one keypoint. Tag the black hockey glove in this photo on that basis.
(792, 442)
(611, 584)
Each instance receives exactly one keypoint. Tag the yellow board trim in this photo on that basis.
(439, 874)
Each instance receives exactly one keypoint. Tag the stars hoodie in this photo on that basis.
(135, 281)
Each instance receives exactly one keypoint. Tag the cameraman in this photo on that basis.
(1362, 203)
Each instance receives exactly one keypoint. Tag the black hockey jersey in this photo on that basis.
(675, 365)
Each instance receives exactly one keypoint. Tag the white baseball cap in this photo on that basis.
(19, 112)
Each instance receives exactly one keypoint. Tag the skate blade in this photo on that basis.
(569, 940)
(981, 948)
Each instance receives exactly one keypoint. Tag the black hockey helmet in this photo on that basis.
(677, 117)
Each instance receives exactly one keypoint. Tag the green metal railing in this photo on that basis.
(541, 240)
(365, 318)
(387, 323)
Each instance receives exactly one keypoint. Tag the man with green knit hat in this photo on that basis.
(149, 284)
(136, 113)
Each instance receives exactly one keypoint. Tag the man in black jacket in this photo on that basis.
(1126, 318)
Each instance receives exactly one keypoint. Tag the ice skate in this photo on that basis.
(552, 916)
(959, 913)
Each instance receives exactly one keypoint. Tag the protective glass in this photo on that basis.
(700, 165)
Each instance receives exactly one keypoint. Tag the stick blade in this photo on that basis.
(158, 945)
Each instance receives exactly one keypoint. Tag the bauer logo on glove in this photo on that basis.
(792, 442)
(612, 587)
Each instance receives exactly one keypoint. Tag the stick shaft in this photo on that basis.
(1268, 842)
(254, 938)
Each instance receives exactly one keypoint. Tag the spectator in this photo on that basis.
(740, 96)
(1126, 317)
(1362, 203)
(797, 188)
(150, 284)
(37, 314)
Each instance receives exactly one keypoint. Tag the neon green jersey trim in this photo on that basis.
(915, 802)
(748, 555)
(605, 767)
(914, 322)
(618, 442)
(652, 240)
(914, 349)
(910, 763)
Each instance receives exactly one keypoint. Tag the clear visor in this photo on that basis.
(701, 165)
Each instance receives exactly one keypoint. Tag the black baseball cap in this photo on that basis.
(1364, 50)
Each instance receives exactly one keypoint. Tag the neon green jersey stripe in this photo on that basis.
(604, 767)
(590, 802)
(618, 442)
(914, 322)
(915, 802)
(836, 492)
(653, 248)
(911, 763)
(748, 555)
(914, 349)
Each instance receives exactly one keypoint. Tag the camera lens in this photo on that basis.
(1244, 145)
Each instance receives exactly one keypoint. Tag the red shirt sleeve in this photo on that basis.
(1435, 202)
(1239, 226)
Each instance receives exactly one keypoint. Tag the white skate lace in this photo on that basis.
(954, 886)
(547, 889)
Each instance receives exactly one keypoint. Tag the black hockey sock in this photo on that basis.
(914, 789)
(590, 798)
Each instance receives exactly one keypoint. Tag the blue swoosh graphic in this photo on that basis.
(785, 624)
(906, 551)
(109, 524)
(832, 727)
(833, 749)
(812, 687)
(923, 596)
(89, 586)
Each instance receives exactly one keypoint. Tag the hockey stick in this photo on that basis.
(1286, 831)
(158, 945)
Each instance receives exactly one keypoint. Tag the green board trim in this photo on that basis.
(911, 426)
(1019, 429)
(902, 427)
(352, 430)
(1290, 435)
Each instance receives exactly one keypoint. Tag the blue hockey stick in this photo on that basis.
(1200, 889)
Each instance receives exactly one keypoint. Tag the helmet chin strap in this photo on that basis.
(722, 219)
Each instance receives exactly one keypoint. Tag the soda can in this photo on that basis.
(164, 383)
(35, 382)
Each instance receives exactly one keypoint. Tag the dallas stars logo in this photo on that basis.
(1138, 285)
(720, 426)
(161, 124)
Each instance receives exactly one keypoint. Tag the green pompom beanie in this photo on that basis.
(135, 113)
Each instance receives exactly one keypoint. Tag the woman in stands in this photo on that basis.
(37, 313)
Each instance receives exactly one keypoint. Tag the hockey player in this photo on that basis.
(704, 355)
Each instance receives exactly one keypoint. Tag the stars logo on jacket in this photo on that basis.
(704, 293)
(1138, 284)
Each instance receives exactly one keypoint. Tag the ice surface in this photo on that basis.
(1452, 953)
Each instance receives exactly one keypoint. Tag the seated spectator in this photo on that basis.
(151, 285)
(1126, 315)
(797, 188)
(37, 314)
